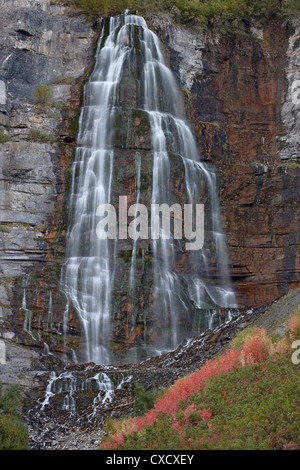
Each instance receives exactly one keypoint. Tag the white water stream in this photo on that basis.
(88, 274)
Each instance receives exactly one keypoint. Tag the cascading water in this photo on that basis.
(67, 389)
(187, 287)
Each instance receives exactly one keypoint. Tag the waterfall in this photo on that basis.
(181, 291)
(68, 390)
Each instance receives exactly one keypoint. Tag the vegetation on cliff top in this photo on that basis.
(209, 13)
(234, 13)
(246, 398)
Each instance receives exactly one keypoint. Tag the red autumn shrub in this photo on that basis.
(191, 412)
(255, 348)
(181, 390)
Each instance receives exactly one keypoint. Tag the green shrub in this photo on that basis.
(293, 327)
(216, 13)
(13, 432)
(58, 105)
(144, 400)
(43, 95)
(252, 407)
(240, 337)
(290, 7)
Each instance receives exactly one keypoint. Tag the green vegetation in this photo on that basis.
(92, 8)
(248, 397)
(13, 432)
(233, 13)
(43, 95)
(64, 79)
(144, 400)
(5, 228)
(3, 137)
(294, 165)
(42, 137)
(250, 408)
(209, 13)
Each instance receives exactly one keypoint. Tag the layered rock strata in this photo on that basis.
(242, 90)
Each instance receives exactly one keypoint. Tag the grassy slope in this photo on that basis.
(246, 398)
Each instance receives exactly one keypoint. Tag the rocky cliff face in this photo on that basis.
(241, 92)
(45, 53)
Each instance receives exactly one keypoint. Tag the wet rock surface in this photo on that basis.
(51, 428)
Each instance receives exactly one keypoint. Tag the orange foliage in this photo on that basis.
(256, 347)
